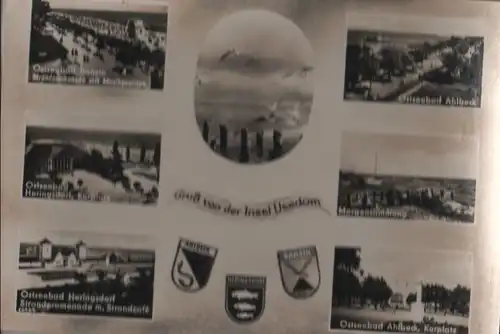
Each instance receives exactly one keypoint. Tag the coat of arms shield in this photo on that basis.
(245, 297)
(299, 269)
(193, 264)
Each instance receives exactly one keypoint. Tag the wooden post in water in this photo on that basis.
(223, 139)
(244, 154)
(260, 143)
(277, 150)
(206, 131)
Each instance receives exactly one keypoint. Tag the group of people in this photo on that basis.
(131, 45)
(133, 30)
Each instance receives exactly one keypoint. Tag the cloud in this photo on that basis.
(255, 41)
(234, 86)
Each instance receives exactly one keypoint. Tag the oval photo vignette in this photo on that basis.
(254, 87)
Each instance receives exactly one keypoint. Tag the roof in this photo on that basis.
(64, 250)
(50, 149)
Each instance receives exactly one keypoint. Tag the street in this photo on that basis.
(424, 78)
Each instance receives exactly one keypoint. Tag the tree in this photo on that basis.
(440, 299)
(369, 65)
(223, 139)
(364, 201)
(453, 62)
(99, 43)
(39, 13)
(80, 278)
(277, 150)
(142, 156)
(116, 167)
(206, 131)
(101, 275)
(95, 163)
(426, 49)
(131, 29)
(244, 153)
(411, 298)
(377, 291)
(390, 60)
(346, 286)
(460, 300)
(115, 151)
(347, 258)
(353, 57)
(260, 143)
(156, 160)
(27, 140)
(138, 187)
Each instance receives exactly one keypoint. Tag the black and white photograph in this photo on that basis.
(413, 68)
(95, 275)
(408, 177)
(91, 165)
(401, 291)
(253, 87)
(75, 45)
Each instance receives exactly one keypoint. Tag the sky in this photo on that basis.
(259, 33)
(401, 267)
(94, 136)
(396, 37)
(90, 5)
(410, 155)
(64, 4)
(92, 239)
(276, 42)
(107, 150)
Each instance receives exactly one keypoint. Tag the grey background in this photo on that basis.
(246, 247)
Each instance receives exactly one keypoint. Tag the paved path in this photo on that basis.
(410, 83)
(107, 63)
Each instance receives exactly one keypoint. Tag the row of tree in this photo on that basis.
(438, 298)
(116, 170)
(351, 291)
